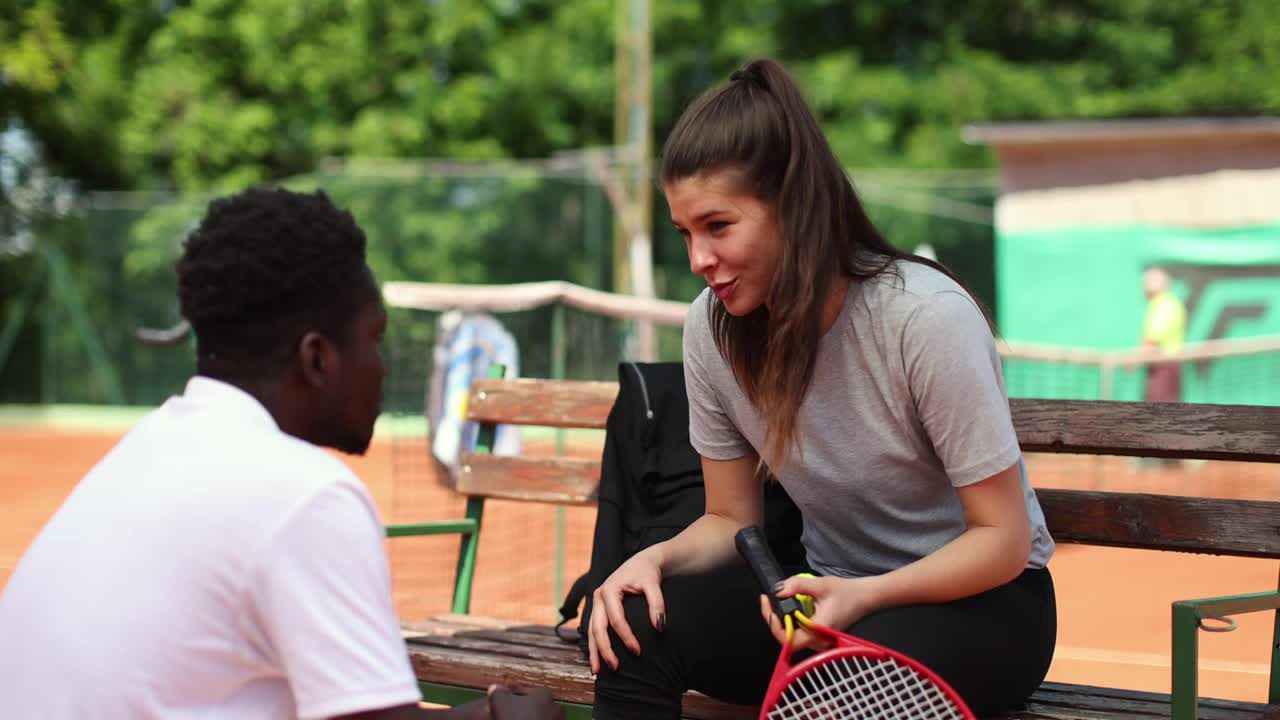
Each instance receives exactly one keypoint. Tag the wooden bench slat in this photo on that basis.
(526, 640)
(1211, 708)
(1248, 528)
(1051, 691)
(570, 481)
(1036, 710)
(514, 652)
(1172, 430)
(436, 625)
(526, 636)
(1061, 700)
(480, 621)
(451, 666)
(567, 682)
(412, 631)
(554, 403)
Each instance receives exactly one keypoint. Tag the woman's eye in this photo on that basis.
(717, 227)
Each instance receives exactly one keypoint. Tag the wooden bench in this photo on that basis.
(457, 655)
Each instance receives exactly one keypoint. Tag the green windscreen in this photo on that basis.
(1082, 287)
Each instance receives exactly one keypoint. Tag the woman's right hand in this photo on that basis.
(641, 574)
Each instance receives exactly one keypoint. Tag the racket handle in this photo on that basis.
(754, 548)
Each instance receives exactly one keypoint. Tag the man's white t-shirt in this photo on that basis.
(210, 566)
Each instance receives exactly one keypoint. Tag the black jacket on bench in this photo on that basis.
(651, 483)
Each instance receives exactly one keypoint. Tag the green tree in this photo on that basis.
(219, 93)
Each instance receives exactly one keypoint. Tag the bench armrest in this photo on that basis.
(469, 528)
(441, 527)
(1189, 617)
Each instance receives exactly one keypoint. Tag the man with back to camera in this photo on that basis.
(216, 563)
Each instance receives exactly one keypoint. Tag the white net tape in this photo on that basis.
(864, 688)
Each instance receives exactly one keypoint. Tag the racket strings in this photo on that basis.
(865, 688)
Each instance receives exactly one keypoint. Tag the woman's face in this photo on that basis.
(732, 237)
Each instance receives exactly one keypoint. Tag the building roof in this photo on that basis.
(1129, 130)
(1219, 199)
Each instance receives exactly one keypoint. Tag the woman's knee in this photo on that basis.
(653, 651)
(635, 610)
(644, 685)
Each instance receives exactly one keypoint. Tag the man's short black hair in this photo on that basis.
(263, 268)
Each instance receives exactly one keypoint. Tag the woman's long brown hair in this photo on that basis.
(759, 128)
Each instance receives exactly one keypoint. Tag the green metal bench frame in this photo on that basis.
(1189, 617)
(468, 527)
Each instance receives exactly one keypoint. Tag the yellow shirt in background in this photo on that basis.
(1165, 323)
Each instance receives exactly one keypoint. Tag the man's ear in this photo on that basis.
(318, 359)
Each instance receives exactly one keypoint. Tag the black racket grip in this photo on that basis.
(753, 547)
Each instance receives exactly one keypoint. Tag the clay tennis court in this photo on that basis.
(1113, 604)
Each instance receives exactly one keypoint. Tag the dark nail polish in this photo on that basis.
(662, 622)
(777, 587)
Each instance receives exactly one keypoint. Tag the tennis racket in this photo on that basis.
(853, 679)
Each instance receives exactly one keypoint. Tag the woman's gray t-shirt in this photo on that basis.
(907, 403)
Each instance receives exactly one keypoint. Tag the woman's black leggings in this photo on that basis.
(993, 648)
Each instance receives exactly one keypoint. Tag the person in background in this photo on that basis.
(1164, 328)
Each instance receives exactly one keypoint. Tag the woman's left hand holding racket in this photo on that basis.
(838, 603)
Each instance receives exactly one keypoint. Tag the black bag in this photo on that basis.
(651, 484)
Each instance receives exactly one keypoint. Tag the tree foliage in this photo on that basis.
(220, 93)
